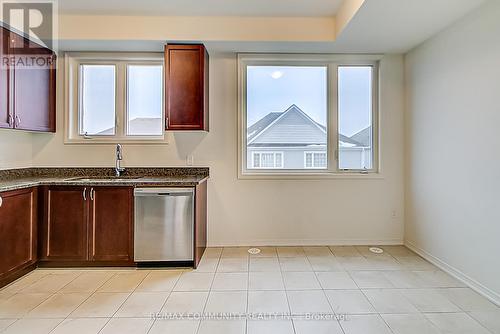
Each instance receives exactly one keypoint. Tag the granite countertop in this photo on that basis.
(13, 179)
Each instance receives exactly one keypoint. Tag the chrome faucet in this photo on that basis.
(119, 157)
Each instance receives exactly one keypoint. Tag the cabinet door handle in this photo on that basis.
(11, 121)
(91, 194)
(84, 194)
(18, 121)
(1, 201)
(166, 123)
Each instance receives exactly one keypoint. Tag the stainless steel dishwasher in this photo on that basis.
(164, 223)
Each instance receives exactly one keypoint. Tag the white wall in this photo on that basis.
(453, 148)
(15, 149)
(244, 212)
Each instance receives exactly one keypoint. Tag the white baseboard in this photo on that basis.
(305, 242)
(472, 283)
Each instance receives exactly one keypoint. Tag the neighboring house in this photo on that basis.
(360, 155)
(140, 126)
(293, 140)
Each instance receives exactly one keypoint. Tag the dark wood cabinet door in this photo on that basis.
(34, 96)
(65, 224)
(111, 224)
(186, 87)
(6, 119)
(18, 235)
(27, 88)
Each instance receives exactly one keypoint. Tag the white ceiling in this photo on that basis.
(382, 26)
(201, 7)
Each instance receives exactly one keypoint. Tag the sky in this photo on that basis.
(275, 88)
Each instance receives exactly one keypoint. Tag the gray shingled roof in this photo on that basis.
(292, 126)
(261, 124)
(293, 129)
(344, 138)
(363, 136)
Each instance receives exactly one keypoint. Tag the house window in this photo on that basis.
(114, 98)
(315, 160)
(318, 110)
(267, 160)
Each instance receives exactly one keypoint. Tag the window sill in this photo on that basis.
(113, 141)
(310, 176)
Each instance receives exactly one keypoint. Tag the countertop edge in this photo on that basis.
(122, 183)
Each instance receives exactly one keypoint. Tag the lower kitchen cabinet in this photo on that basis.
(72, 226)
(64, 230)
(85, 225)
(18, 230)
(111, 224)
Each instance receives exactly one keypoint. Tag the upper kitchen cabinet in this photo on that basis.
(34, 94)
(27, 85)
(6, 119)
(186, 87)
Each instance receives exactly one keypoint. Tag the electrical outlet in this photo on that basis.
(190, 160)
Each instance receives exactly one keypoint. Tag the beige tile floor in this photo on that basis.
(286, 290)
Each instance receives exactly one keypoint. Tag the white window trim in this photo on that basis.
(73, 60)
(313, 153)
(274, 157)
(331, 61)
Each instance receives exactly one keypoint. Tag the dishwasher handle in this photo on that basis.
(163, 192)
(173, 194)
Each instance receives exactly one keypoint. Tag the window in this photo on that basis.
(355, 117)
(144, 100)
(97, 100)
(286, 110)
(114, 98)
(318, 111)
(267, 160)
(315, 160)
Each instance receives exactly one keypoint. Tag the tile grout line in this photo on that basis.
(52, 294)
(286, 291)
(44, 300)
(110, 318)
(164, 302)
(248, 293)
(324, 294)
(90, 295)
(369, 302)
(209, 292)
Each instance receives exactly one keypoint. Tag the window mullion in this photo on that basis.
(333, 135)
(120, 99)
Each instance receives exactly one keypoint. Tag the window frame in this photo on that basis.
(331, 62)
(72, 87)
